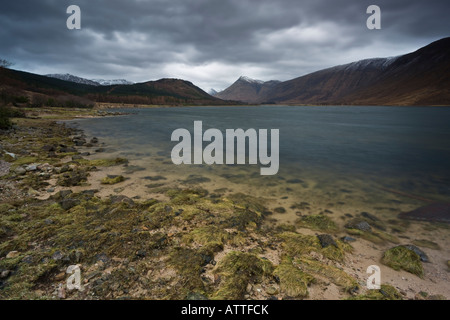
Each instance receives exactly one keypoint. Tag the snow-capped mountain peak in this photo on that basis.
(112, 82)
(92, 82)
(212, 92)
(378, 63)
(72, 78)
(250, 80)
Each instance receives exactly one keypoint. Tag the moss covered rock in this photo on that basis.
(386, 292)
(317, 222)
(112, 179)
(238, 269)
(403, 258)
(293, 282)
(332, 273)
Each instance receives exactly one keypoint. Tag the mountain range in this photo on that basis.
(41, 90)
(418, 78)
(92, 82)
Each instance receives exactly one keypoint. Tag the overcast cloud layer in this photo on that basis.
(211, 42)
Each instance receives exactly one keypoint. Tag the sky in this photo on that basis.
(211, 42)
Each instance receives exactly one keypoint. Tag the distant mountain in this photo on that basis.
(72, 78)
(43, 90)
(212, 92)
(418, 78)
(103, 82)
(247, 90)
(92, 82)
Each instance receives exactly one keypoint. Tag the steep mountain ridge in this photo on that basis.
(418, 78)
(247, 90)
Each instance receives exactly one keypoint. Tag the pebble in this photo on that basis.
(20, 171)
(64, 168)
(12, 254)
(60, 276)
(58, 255)
(12, 155)
(61, 292)
(28, 260)
(5, 274)
(272, 291)
(348, 239)
(359, 225)
(31, 167)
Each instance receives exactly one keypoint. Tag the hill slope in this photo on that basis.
(164, 91)
(418, 78)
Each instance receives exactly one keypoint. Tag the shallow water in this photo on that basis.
(384, 160)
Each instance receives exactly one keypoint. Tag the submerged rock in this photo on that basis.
(438, 212)
(280, 210)
(369, 216)
(359, 225)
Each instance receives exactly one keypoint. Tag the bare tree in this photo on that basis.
(5, 63)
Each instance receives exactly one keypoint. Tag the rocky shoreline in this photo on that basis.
(190, 244)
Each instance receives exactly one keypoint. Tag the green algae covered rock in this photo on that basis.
(402, 258)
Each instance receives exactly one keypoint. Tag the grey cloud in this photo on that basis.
(211, 42)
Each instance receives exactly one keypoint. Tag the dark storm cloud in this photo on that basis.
(211, 42)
